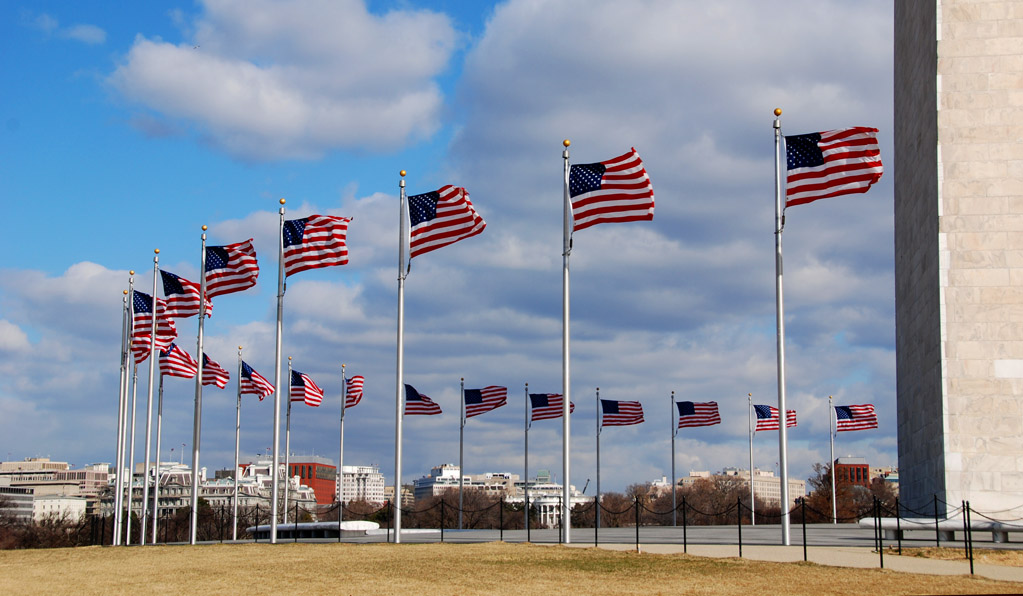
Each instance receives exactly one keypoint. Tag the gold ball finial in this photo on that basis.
(283, 201)
(750, 394)
(204, 228)
(402, 173)
(289, 358)
(156, 250)
(239, 347)
(777, 111)
(131, 272)
(125, 292)
(566, 142)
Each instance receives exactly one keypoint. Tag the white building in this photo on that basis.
(766, 485)
(362, 483)
(58, 507)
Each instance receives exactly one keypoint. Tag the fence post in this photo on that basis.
(738, 511)
(898, 524)
(685, 541)
(969, 532)
(880, 536)
(637, 523)
(390, 512)
(596, 520)
(256, 525)
(296, 521)
(501, 518)
(937, 532)
(442, 519)
(802, 514)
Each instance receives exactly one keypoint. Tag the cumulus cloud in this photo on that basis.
(293, 80)
(85, 33)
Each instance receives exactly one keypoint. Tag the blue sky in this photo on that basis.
(127, 126)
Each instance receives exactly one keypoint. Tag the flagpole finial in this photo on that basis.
(125, 292)
(131, 272)
(566, 142)
(283, 201)
(156, 250)
(750, 394)
(777, 111)
(204, 227)
(402, 173)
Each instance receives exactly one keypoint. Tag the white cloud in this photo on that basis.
(85, 33)
(12, 338)
(293, 80)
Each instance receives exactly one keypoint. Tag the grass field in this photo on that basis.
(410, 569)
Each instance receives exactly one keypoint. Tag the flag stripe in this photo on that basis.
(620, 413)
(175, 362)
(832, 163)
(304, 389)
(182, 296)
(441, 218)
(230, 268)
(354, 393)
(417, 404)
(490, 398)
(697, 414)
(316, 241)
(858, 417)
(621, 193)
(546, 406)
(768, 419)
(213, 373)
(253, 383)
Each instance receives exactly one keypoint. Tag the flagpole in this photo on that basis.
(287, 451)
(461, 436)
(597, 514)
(750, 431)
(156, 465)
(779, 225)
(122, 406)
(197, 413)
(566, 503)
(131, 447)
(237, 447)
(674, 431)
(399, 385)
(831, 435)
(149, 398)
(341, 446)
(274, 491)
(525, 480)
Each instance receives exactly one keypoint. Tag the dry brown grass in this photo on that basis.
(388, 569)
(1010, 558)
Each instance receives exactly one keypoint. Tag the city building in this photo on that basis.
(362, 483)
(958, 265)
(59, 507)
(16, 503)
(318, 473)
(852, 470)
(766, 486)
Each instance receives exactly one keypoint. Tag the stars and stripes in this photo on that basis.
(313, 242)
(175, 362)
(182, 296)
(545, 406)
(697, 413)
(440, 218)
(620, 413)
(142, 322)
(354, 393)
(253, 383)
(858, 417)
(481, 401)
(832, 163)
(213, 373)
(768, 419)
(230, 268)
(419, 404)
(304, 389)
(615, 190)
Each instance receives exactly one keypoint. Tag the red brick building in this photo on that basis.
(318, 473)
(852, 470)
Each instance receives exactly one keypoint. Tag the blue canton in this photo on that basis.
(803, 151)
(473, 396)
(422, 207)
(585, 178)
(294, 229)
(686, 408)
(763, 411)
(216, 258)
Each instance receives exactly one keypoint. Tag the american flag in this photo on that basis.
(481, 401)
(832, 163)
(253, 383)
(615, 190)
(620, 413)
(304, 389)
(230, 268)
(859, 417)
(544, 406)
(175, 362)
(768, 419)
(354, 394)
(440, 218)
(213, 373)
(182, 296)
(313, 242)
(142, 322)
(697, 413)
(417, 403)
